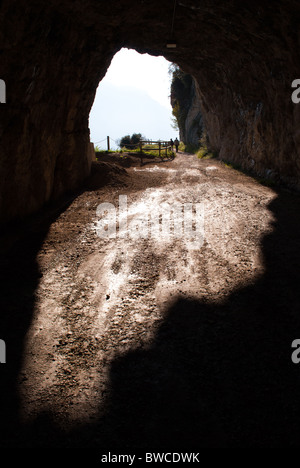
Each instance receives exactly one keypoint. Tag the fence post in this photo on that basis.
(159, 145)
(108, 144)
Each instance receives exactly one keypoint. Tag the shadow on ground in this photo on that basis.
(215, 376)
(20, 243)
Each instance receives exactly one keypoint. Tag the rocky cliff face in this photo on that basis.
(194, 126)
(243, 55)
(186, 108)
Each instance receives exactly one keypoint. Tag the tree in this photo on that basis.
(130, 142)
(125, 141)
(136, 138)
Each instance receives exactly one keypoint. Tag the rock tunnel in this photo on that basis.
(243, 55)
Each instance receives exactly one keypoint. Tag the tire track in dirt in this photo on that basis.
(99, 298)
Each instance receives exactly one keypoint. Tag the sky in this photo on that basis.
(133, 97)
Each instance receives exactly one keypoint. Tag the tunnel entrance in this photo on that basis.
(187, 348)
(133, 97)
(241, 64)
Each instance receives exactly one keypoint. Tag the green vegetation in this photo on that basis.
(204, 153)
(152, 150)
(188, 148)
(135, 145)
(130, 142)
(230, 166)
(100, 151)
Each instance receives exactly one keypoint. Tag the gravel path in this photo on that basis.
(134, 339)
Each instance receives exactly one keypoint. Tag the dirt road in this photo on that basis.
(134, 339)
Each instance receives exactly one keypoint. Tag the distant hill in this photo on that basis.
(118, 111)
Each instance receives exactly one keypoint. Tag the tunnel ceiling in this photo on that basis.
(243, 55)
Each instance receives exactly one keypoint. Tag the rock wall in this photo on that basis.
(243, 55)
(194, 125)
(186, 106)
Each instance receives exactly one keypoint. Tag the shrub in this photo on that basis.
(130, 142)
